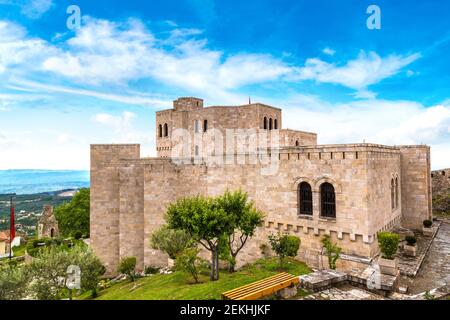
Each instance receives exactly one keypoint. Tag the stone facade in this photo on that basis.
(376, 187)
(47, 224)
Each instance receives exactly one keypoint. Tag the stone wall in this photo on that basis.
(416, 185)
(105, 200)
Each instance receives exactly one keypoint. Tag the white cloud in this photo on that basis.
(375, 121)
(329, 51)
(104, 51)
(132, 98)
(119, 123)
(32, 9)
(17, 51)
(367, 69)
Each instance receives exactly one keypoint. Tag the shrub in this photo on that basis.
(171, 241)
(284, 246)
(188, 261)
(388, 243)
(427, 223)
(13, 282)
(77, 234)
(49, 271)
(151, 270)
(410, 240)
(333, 252)
(127, 266)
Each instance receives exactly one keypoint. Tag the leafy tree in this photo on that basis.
(188, 261)
(171, 241)
(284, 246)
(128, 266)
(73, 216)
(204, 220)
(333, 252)
(388, 243)
(243, 218)
(48, 271)
(13, 282)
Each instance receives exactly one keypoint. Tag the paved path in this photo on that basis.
(435, 270)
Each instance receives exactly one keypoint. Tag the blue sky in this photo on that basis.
(61, 89)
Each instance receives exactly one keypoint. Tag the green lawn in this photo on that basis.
(179, 286)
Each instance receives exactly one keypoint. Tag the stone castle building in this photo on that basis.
(347, 191)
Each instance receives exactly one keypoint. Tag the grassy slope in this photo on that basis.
(178, 286)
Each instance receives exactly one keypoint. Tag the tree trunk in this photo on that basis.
(213, 264)
(217, 265)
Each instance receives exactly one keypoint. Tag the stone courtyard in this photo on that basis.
(429, 272)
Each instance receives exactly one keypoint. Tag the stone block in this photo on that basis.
(388, 267)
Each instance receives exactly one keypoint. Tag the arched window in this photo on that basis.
(392, 194)
(305, 198)
(275, 124)
(160, 130)
(205, 125)
(396, 192)
(196, 151)
(270, 124)
(166, 130)
(52, 233)
(327, 200)
(297, 143)
(265, 123)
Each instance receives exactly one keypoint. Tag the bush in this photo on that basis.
(48, 270)
(77, 234)
(410, 240)
(13, 282)
(188, 261)
(127, 266)
(74, 215)
(284, 246)
(171, 241)
(388, 243)
(333, 252)
(151, 270)
(427, 223)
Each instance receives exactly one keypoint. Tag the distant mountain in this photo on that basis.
(441, 191)
(38, 181)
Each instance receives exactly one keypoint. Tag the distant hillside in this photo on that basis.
(28, 208)
(441, 191)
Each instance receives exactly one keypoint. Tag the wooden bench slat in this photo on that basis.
(264, 282)
(278, 285)
(253, 283)
(262, 287)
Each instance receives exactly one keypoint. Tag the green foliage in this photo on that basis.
(243, 219)
(188, 261)
(74, 215)
(151, 270)
(34, 246)
(48, 271)
(333, 252)
(13, 282)
(77, 234)
(388, 243)
(429, 296)
(284, 246)
(411, 240)
(427, 223)
(204, 220)
(171, 241)
(127, 266)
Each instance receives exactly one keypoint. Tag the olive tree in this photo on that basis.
(171, 241)
(243, 219)
(204, 220)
